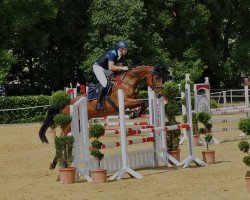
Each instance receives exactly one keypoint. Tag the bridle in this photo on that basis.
(153, 85)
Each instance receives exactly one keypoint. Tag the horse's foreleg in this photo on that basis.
(134, 103)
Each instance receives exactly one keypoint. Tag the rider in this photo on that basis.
(106, 64)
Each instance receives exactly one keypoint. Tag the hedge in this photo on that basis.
(24, 115)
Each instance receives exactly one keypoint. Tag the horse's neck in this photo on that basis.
(142, 71)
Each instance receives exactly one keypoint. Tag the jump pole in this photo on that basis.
(125, 167)
(183, 108)
(246, 96)
(191, 158)
(81, 106)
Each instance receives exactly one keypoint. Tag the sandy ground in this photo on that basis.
(25, 175)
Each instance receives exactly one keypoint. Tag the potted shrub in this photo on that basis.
(173, 142)
(244, 147)
(244, 125)
(196, 132)
(96, 131)
(209, 126)
(208, 155)
(204, 118)
(64, 149)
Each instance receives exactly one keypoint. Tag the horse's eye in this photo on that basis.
(157, 77)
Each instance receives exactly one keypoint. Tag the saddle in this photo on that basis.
(94, 89)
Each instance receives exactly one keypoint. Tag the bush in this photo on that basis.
(183, 82)
(60, 99)
(244, 125)
(171, 90)
(96, 130)
(96, 144)
(208, 138)
(194, 121)
(23, 115)
(244, 147)
(62, 119)
(213, 104)
(202, 130)
(203, 117)
(143, 94)
(64, 149)
(171, 109)
(173, 138)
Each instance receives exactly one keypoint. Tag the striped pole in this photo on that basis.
(125, 168)
(191, 158)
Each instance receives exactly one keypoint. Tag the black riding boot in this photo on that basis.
(99, 105)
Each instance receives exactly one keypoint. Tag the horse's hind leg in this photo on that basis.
(53, 164)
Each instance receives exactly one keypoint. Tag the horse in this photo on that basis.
(130, 80)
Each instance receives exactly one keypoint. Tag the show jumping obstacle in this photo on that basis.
(202, 104)
(127, 162)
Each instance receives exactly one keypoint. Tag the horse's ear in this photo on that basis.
(158, 69)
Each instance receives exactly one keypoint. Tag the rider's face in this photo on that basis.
(124, 51)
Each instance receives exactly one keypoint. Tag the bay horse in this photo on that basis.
(130, 80)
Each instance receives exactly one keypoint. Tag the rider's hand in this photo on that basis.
(125, 68)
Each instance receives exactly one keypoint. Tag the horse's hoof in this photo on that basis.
(51, 166)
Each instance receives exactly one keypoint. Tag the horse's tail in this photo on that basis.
(48, 121)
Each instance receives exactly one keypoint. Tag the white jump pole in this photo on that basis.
(81, 107)
(183, 108)
(246, 96)
(191, 158)
(125, 167)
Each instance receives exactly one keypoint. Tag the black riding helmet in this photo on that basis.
(122, 44)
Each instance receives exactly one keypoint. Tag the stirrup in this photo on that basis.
(99, 106)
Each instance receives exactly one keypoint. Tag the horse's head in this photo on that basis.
(155, 80)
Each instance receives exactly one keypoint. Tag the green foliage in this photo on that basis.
(208, 138)
(171, 90)
(97, 154)
(171, 109)
(209, 125)
(96, 144)
(173, 138)
(62, 119)
(96, 130)
(244, 147)
(213, 103)
(6, 59)
(64, 148)
(183, 83)
(202, 130)
(244, 125)
(60, 99)
(194, 121)
(246, 160)
(183, 101)
(143, 94)
(45, 38)
(203, 117)
(23, 115)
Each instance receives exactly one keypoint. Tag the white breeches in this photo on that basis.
(101, 74)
